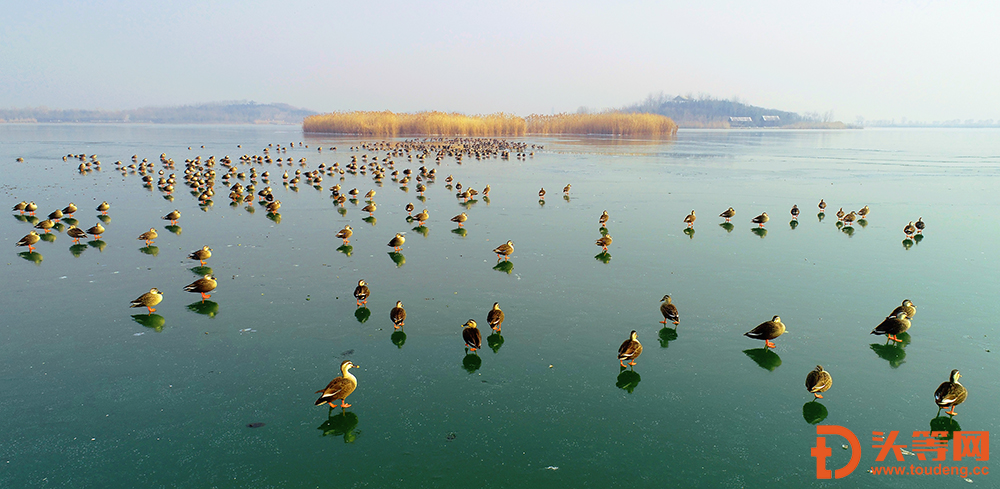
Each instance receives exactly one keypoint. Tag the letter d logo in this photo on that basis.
(821, 452)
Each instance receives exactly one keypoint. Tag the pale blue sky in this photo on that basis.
(926, 60)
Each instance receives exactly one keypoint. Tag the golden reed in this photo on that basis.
(390, 124)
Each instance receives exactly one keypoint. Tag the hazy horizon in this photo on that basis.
(917, 60)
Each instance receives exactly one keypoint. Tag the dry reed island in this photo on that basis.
(390, 124)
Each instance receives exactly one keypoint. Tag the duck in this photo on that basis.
(892, 326)
(849, 218)
(818, 380)
(361, 292)
(909, 230)
(76, 233)
(541, 194)
(409, 208)
(604, 242)
(760, 220)
(470, 333)
(369, 208)
(841, 214)
(906, 307)
(19, 207)
(566, 189)
(346, 233)
(669, 311)
(486, 190)
(505, 250)
(148, 236)
(397, 315)
(495, 317)
(728, 213)
(370, 194)
(45, 225)
(70, 209)
(56, 215)
(203, 286)
(795, 211)
(340, 387)
(201, 255)
(460, 219)
(29, 240)
(950, 394)
(173, 216)
(919, 225)
(397, 242)
(822, 205)
(863, 212)
(767, 331)
(96, 231)
(689, 219)
(630, 350)
(103, 207)
(148, 300)
(422, 216)
(31, 207)
(603, 219)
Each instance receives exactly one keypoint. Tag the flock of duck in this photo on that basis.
(200, 177)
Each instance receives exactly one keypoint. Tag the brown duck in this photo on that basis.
(340, 387)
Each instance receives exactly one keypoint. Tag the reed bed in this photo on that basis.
(390, 124)
(611, 123)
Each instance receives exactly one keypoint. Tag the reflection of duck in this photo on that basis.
(340, 387)
(630, 349)
(818, 380)
(814, 412)
(820, 216)
(32, 256)
(628, 380)
(794, 223)
(603, 257)
(346, 249)
(689, 232)
(362, 314)
(765, 358)
(494, 341)
(470, 333)
(342, 424)
(77, 249)
(950, 394)
(669, 311)
(398, 338)
(495, 317)
(397, 315)
(505, 267)
(152, 321)
(667, 335)
(728, 214)
(728, 226)
(892, 326)
(945, 424)
(767, 331)
(759, 232)
(907, 307)
(148, 300)
(202, 286)
(397, 258)
(472, 362)
(460, 231)
(205, 308)
(892, 353)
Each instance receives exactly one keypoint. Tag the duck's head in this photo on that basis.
(632, 335)
(496, 306)
(900, 315)
(470, 324)
(665, 298)
(361, 282)
(907, 302)
(347, 365)
(399, 303)
(156, 291)
(955, 375)
(776, 319)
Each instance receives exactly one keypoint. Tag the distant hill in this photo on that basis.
(708, 112)
(242, 112)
